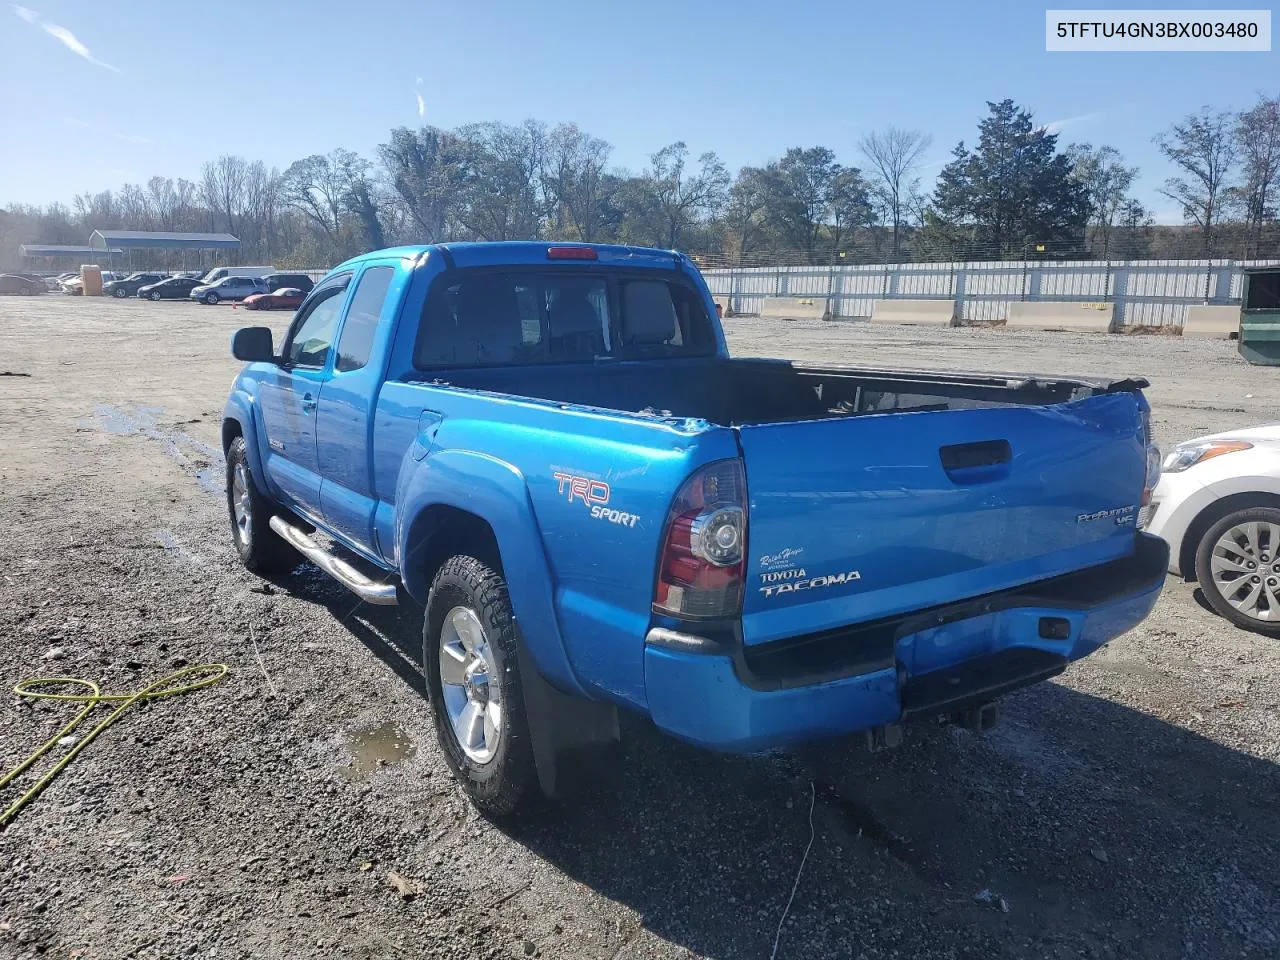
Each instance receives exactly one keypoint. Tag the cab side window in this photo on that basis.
(362, 318)
(313, 330)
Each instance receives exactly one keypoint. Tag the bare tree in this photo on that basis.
(315, 185)
(849, 205)
(185, 193)
(1203, 146)
(746, 214)
(162, 198)
(679, 196)
(262, 207)
(1106, 182)
(1258, 141)
(573, 176)
(134, 212)
(503, 196)
(365, 200)
(427, 170)
(222, 191)
(894, 156)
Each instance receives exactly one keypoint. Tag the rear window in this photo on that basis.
(1264, 291)
(486, 317)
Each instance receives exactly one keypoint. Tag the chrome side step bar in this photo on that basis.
(382, 594)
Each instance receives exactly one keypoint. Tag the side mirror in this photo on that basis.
(253, 345)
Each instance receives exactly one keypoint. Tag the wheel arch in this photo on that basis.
(238, 421)
(441, 531)
(1210, 515)
(460, 501)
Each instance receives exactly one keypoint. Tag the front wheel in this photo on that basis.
(155, 296)
(1238, 567)
(260, 549)
(211, 299)
(473, 678)
(119, 293)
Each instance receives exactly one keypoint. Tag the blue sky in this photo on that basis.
(97, 93)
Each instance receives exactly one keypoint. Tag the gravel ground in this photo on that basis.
(1127, 809)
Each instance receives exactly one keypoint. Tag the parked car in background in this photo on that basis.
(220, 273)
(172, 288)
(13, 285)
(128, 286)
(1217, 505)
(75, 286)
(54, 284)
(297, 281)
(286, 298)
(228, 288)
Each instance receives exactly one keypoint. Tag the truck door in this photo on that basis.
(291, 393)
(344, 419)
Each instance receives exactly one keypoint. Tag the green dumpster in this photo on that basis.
(1260, 316)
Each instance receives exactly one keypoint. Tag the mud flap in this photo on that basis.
(561, 728)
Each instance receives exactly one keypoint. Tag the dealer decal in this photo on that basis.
(781, 560)
(594, 495)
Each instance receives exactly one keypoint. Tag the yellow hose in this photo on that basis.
(34, 689)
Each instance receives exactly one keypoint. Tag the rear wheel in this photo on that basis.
(1238, 567)
(473, 678)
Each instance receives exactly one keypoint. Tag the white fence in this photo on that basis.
(1145, 292)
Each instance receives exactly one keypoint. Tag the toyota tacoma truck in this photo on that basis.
(547, 449)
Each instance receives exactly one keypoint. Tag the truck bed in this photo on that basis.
(744, 392)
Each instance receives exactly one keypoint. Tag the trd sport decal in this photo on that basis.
(594, 495)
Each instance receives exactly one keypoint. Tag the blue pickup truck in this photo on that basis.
(548, 448)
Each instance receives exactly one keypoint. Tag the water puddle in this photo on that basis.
(374, 747)
(171, 544)
(196, 457)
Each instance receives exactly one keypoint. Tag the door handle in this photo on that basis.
(308, 402)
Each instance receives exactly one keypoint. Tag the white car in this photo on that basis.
(1217, 505)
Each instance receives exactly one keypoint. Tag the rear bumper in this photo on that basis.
(703, 686)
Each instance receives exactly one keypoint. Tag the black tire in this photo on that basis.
(1268, 570)
(260, 549)
(506, 784)
(119, 293)
(155, 296)
(211, 299)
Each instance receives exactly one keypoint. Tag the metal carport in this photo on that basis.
(147, 240)
(53, 252)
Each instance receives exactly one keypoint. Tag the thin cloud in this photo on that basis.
(1057, 126)
(419, 81)
(422, 106)
(126, 137)
(62, 35)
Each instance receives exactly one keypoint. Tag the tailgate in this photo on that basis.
(858, 518)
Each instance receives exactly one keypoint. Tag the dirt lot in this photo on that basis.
(1129, 809)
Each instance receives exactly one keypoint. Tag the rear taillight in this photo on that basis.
(700, 572)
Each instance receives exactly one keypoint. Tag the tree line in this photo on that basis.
(1014, 193)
